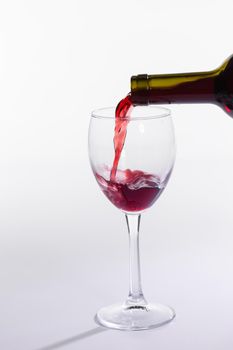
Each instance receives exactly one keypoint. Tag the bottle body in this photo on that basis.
(201, 87)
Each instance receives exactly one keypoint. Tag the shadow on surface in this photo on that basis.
(73, 339)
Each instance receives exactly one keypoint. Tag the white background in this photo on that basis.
(63, 247)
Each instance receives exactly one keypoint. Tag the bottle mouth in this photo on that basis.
(138, 113)
(139, 89)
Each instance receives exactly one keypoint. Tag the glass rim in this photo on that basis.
(162, 112)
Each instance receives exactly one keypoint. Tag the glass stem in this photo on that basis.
(135, 288)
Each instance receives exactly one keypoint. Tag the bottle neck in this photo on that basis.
(173, 88)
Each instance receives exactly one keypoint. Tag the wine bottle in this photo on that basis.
(215, 86)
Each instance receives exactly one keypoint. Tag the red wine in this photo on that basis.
(131, 191)
(215, 87)
(123, 109)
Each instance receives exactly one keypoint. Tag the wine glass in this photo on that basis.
(143, 171)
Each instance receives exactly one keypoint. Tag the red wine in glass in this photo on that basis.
(131, 190)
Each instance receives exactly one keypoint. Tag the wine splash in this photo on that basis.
(131, 191)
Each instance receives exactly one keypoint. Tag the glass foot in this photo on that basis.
(134, 317)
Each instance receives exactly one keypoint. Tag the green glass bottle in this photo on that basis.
(215, 86)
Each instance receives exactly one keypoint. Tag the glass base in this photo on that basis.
(134, 317)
